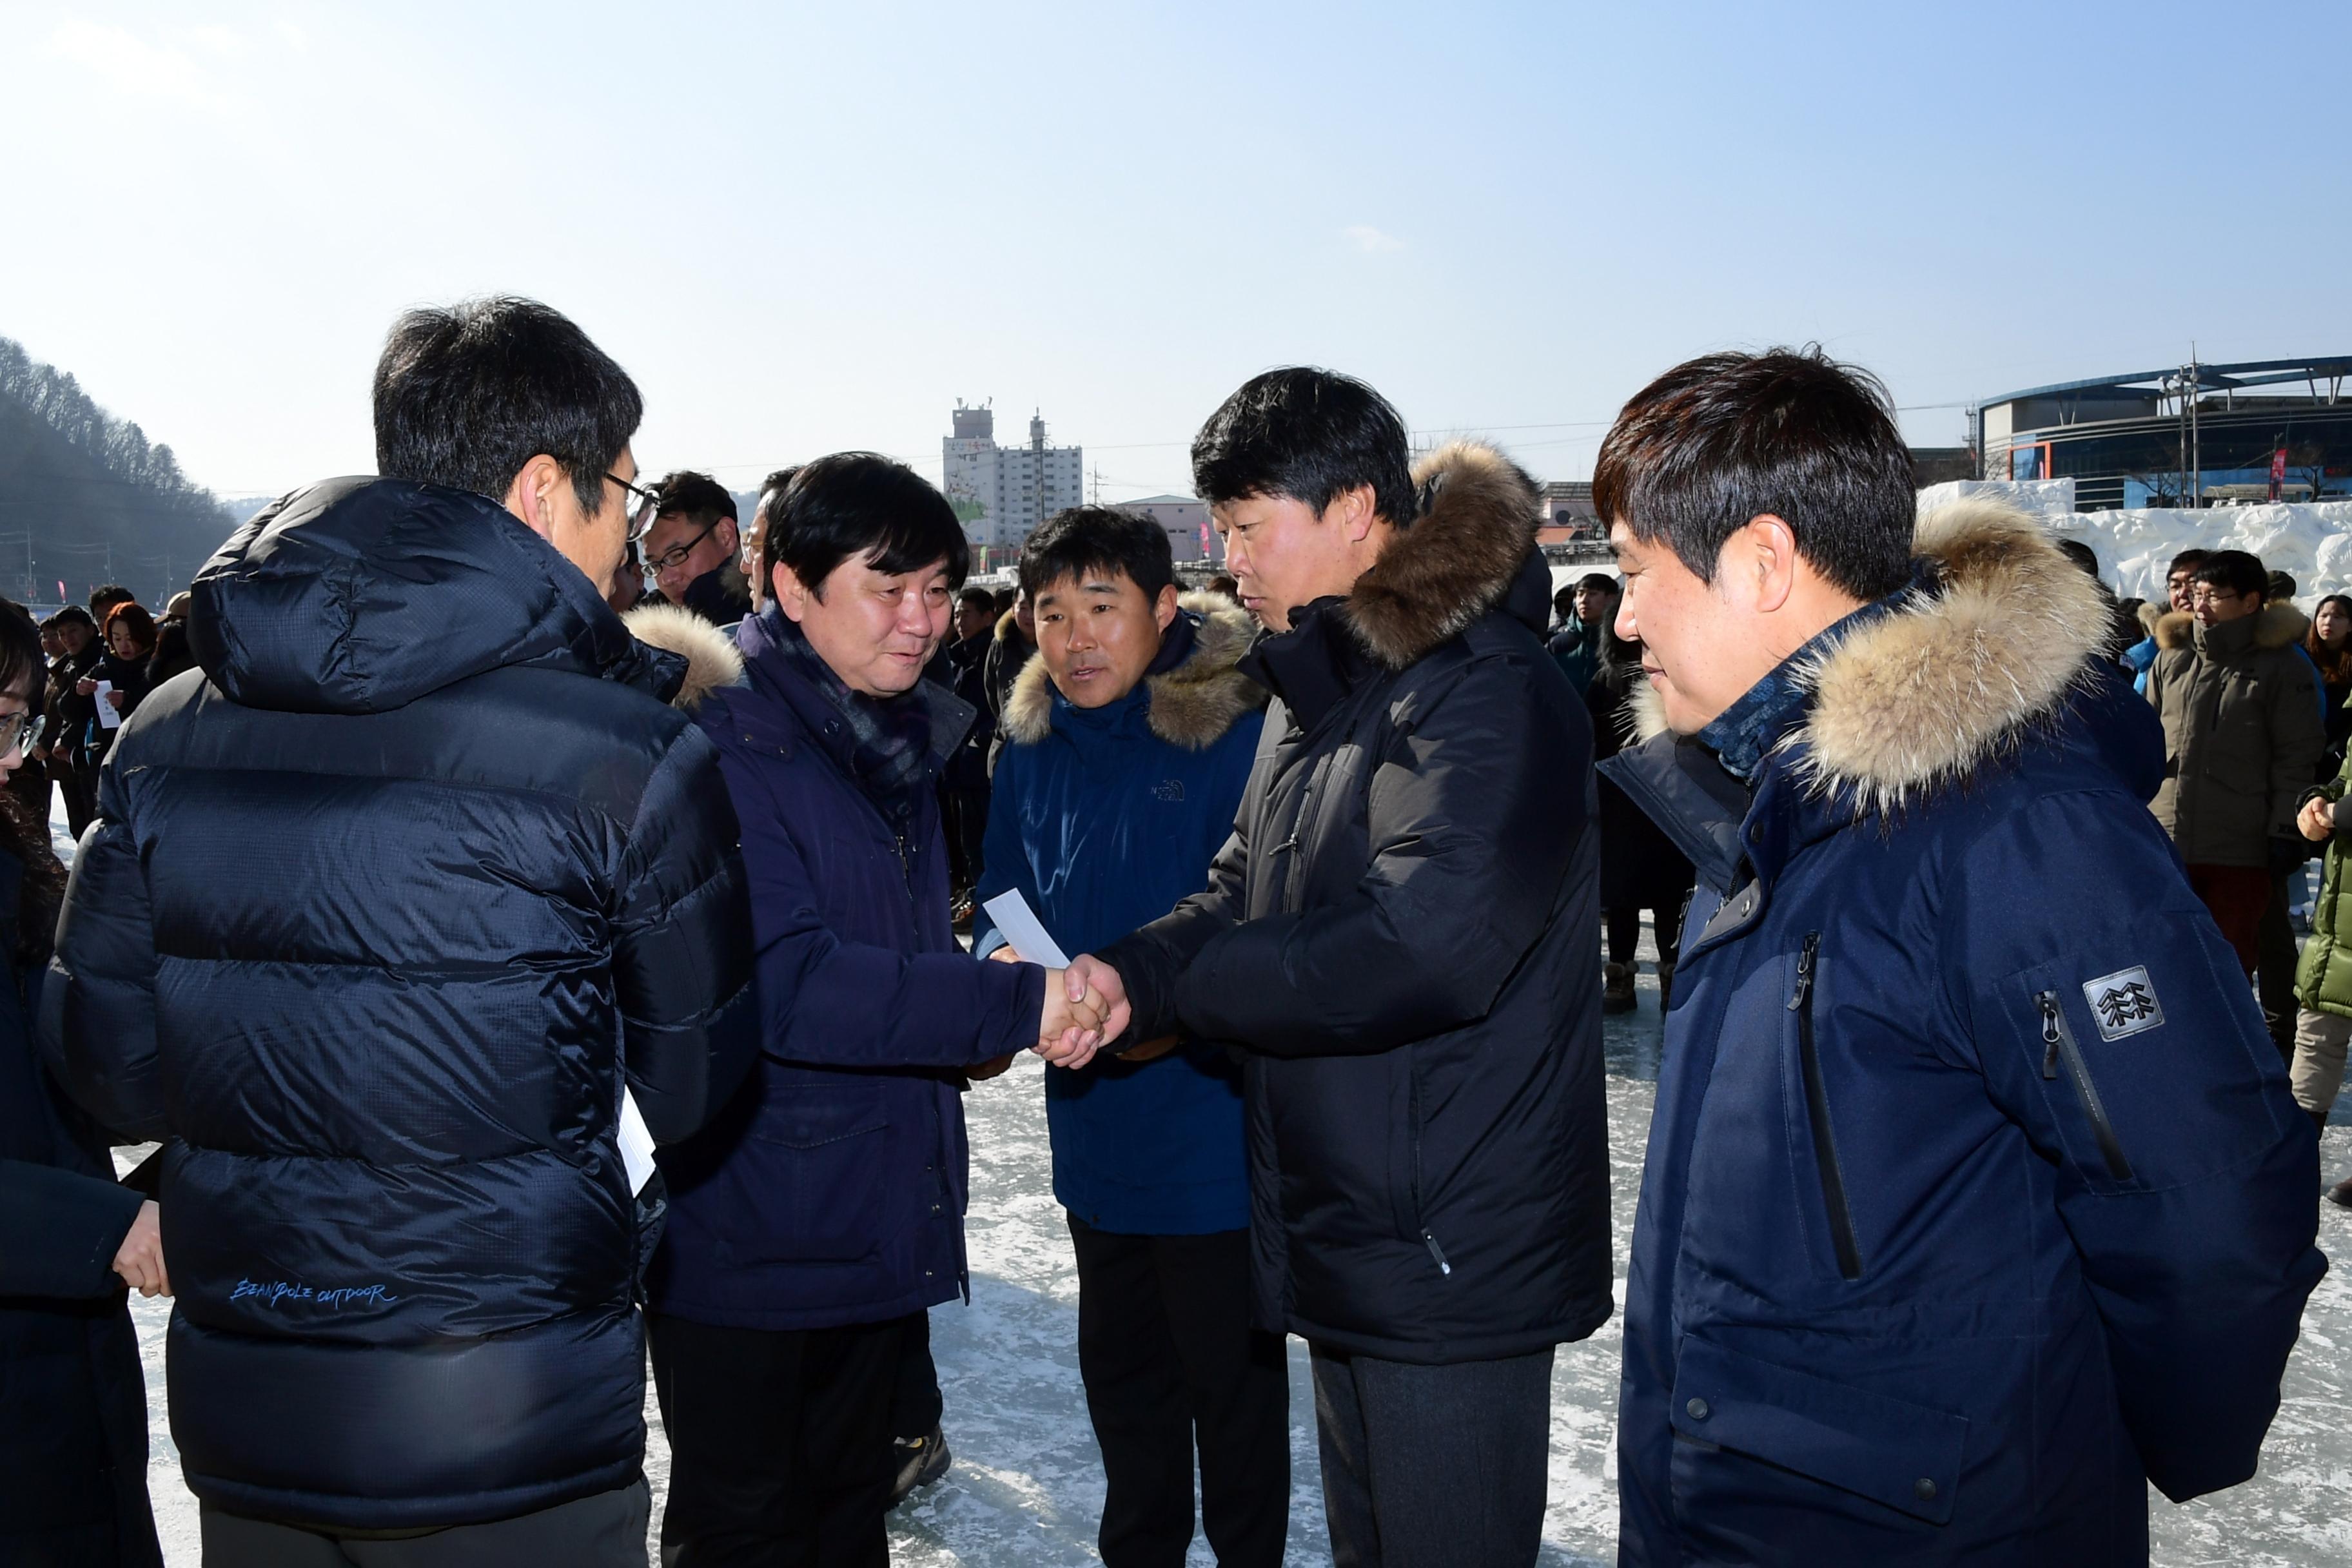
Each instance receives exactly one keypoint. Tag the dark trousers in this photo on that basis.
(915, 1403)
(606, 1531)
(2274, 960)
(1624, 926)
(780, 1443)
(79, 785)
(1433, 1467)
(2235, 896)
(1171, 1366)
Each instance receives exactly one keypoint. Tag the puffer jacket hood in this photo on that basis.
(360, 595)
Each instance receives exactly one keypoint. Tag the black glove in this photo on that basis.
(2287, 853)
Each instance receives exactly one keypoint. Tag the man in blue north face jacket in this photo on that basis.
(1975, 1200)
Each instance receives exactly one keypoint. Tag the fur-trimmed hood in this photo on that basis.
(1918, 699)
(1479, 516)
(2275, 626)
(711, 659)
(1191, 705)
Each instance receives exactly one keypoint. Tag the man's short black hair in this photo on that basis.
(75, 616)
(2187, 560)
(698, 497)
(1599, 582)
(2282, 585)
(1091, 539)
(108, 594)
(859, 504)
(2080, 554)
(1308, 435)
(977, 596)
(466, 394)
(2234, 572)
(1727, 438)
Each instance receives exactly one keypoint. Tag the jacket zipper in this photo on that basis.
(1437, 1252)
(1817, 1112)
(2058, 1043)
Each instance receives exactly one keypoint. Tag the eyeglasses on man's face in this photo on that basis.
(646, 505)
(17, 732)
(676, 554)
(2201, 594)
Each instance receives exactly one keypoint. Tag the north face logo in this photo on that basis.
(2124, 1002)
(1169, 790)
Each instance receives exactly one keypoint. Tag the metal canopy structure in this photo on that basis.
(2170, 381)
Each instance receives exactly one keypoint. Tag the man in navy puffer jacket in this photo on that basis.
(1975, 1200)
(383, 910)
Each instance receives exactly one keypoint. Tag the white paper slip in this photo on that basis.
(108, 719)
(637, 1143)
(1025, 930)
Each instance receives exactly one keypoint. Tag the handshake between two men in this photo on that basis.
(1085, 1009)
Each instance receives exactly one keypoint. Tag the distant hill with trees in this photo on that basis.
(86, 498)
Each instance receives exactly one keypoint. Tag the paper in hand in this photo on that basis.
(637, 1141)
(108, 719)
(1025, 930)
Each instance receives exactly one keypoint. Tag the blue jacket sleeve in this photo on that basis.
(2119, 1034)
(98, 1007)
(829, 1001)
(682, 946)
(60, 1231)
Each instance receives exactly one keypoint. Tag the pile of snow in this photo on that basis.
(2310, 541)
(2046, 498)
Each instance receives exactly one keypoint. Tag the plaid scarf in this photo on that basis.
(890, 736)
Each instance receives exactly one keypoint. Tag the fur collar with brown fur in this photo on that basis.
(2275, 626)
(710, 658)
(1191, 705)
(1920, 698)
(1455, 563)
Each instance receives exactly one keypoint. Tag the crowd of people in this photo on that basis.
(523, 904)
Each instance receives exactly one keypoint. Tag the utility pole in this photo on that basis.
(2196, 447)
(1096, 499)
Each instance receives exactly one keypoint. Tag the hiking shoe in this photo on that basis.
(1617, 988)
(2340, 1195)
(919, 1462)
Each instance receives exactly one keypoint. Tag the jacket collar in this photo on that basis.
(2272, 626)
(1189, 704)
(1470, 553)
(769, 672)
(1948, 681)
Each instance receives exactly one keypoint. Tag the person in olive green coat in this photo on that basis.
(2243, 735)
(2322, 981)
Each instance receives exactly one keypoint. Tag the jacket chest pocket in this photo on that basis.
(1765, 1165)
(1312, 809)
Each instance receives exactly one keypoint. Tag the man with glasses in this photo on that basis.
(387, 929)
(2242, 726)
(691, 546)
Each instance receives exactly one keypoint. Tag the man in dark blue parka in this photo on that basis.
(383, 909)
(1975, 1199)
(821, 1212)
(1128, 742)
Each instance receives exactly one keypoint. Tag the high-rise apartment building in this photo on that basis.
(1001, 493)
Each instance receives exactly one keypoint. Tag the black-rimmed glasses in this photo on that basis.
(676, 554)
(647, 505)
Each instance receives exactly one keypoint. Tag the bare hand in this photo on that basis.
(140, 1258)
(85, 686)
(1103, 980)
(1005, 955)
(114, 700)
(2317, 820)
(1069, 1031)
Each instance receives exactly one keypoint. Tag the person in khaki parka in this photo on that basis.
(2322, 982)
(2242, 733)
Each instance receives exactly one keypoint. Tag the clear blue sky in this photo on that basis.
(803, 227)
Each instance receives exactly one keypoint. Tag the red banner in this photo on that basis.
(2278, 471)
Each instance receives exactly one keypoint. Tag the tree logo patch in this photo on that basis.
(2124, 1002)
